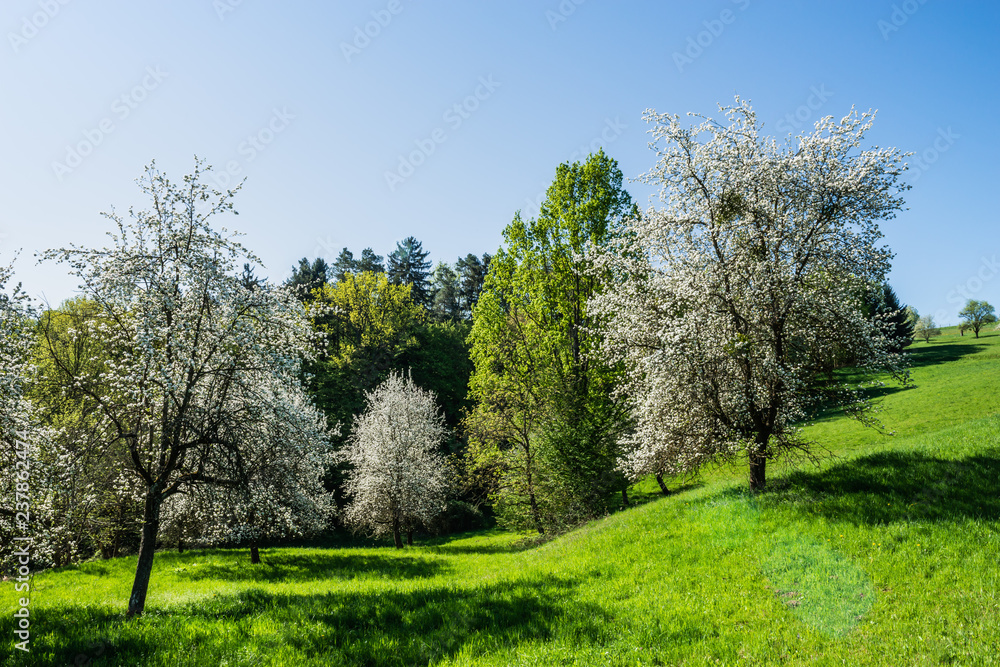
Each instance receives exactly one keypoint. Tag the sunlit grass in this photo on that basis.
(886, 554)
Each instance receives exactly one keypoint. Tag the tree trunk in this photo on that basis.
(409, 538)
(535, 514)
(254, 554)
(147, 549)
(180, 545)
(663, 487)
(625, 502)
(395, 534)
(758, 462)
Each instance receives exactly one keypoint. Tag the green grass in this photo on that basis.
(887, 554)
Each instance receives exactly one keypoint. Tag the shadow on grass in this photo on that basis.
(931, 355)
(298, 567)
(887, 487)
(380, 627)
(637, 497)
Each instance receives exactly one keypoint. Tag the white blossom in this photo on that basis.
(399, 478)
(733, 295)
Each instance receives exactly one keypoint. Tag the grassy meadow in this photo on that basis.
(888, 553)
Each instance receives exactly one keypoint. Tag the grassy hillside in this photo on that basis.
(887, 554)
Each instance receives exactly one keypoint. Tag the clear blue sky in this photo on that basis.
(144, 80)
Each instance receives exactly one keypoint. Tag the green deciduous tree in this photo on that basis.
(545, 420)
(977, 314)
(369, 323)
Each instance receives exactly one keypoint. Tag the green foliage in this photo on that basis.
(439, 361)
(977, 314)
(471, 275)
(345, 264)
(884, 305)
(307, 277)
(444, 296)
(93, 509)
(545, 423)
(369, 324)
(408, 265)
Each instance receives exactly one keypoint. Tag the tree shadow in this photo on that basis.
(888, 487)
(299, 567)
(638, 497)
(931, 355)
(375, 627)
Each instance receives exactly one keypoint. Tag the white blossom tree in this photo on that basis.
(751, 276)
(16, 422)
(399, 478)
(186, 345)
(274, 486)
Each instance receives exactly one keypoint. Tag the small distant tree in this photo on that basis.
(399, 478)
(977, 314)
(926, 328)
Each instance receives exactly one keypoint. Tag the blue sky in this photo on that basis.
(316, 104)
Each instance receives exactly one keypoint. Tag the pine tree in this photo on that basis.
(343, 265)
(306, 277)
(370, 262)
(408, 265)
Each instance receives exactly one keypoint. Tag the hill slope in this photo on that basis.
(886, 555)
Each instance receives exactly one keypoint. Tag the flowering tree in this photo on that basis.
(399, 478)
(191, 352)
(16, 338)
(926, 328)
(734, 295)
(274, 485)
